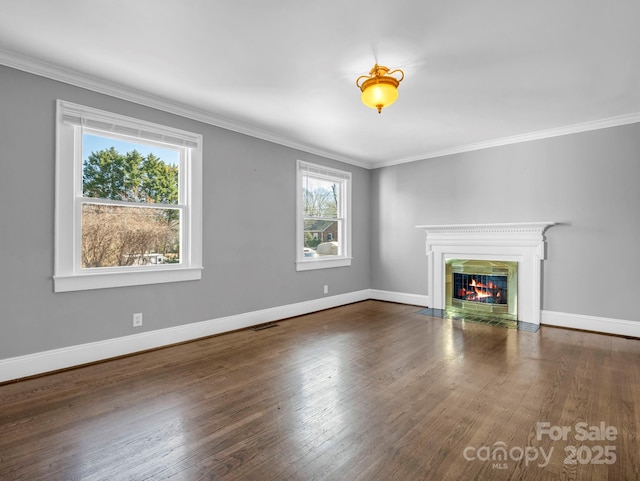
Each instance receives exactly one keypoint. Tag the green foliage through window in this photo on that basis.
(130, 177)
(122, 235)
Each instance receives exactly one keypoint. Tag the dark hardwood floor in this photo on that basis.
(369, 391)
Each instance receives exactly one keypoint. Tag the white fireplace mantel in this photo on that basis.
(522, 242)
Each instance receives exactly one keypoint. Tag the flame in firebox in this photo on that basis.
(486, 288)
(479, 290)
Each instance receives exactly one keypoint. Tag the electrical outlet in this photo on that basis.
(137, 319)
(326, 289)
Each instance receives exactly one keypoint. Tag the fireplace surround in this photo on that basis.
(522, 244)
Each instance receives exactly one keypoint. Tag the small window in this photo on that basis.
(128, 201)
(323, 224)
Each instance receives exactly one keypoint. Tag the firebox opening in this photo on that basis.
(482, 288)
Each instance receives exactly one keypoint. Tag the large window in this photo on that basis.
(323, 220)
(128, 201)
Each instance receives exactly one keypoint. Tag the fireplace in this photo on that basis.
(482, 287)
(488, 253)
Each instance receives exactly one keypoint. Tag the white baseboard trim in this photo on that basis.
(55, 359)
(400, 297)
(605, 325)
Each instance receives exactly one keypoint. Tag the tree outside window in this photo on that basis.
(118, 235)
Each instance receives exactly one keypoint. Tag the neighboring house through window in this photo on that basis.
(128, 201)
(324, 217)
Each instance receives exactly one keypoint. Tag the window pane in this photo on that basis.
(129, 236)
(319, 197)
(321, 238)
(129, 171)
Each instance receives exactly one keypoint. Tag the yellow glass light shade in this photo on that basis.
(379, 95)
(379, 88)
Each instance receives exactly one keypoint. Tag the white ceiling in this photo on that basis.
(476, 72)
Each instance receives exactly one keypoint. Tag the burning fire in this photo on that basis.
(479, 291)
(483, 290)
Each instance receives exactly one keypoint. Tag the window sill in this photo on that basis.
(308, 265)
(104, 280)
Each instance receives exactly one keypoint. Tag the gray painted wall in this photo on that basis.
(249, 230)
(588, 182)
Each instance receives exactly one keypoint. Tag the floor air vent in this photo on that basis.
(264, 326)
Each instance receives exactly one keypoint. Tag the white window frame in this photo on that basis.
(343, 179)
(68, 272)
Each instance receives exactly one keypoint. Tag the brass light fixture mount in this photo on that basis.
(380, 87)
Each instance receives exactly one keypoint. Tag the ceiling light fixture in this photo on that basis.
(379, 88)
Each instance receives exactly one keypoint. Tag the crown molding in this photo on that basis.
(516, 139)
(102, 86)
(72, 77)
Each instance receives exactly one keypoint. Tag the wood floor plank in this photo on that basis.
(372, 391)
